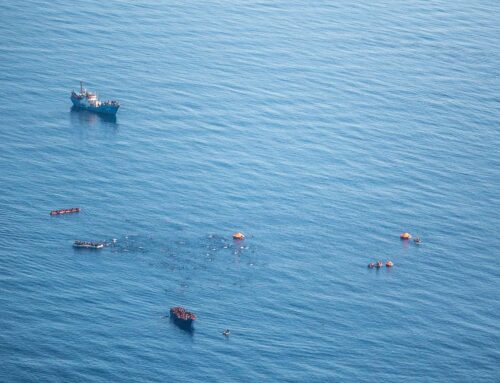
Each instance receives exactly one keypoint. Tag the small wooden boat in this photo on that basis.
(65, 211)
(88, 245)
(181, 317)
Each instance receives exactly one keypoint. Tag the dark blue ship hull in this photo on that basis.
(182, 318)
(186, 324)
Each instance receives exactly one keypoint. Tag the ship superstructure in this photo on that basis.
(88, 101)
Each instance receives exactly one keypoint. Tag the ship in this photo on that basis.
(65, 211)
(88, 101)
(181, 317)
(88, 245)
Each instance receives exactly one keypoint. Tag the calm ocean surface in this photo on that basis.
(320, 129)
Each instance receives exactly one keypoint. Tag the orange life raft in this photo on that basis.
(239, 236)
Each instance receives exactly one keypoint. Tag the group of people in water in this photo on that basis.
(379, 264)
(404, 236)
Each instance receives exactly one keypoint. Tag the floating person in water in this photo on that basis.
(371, 265)
(417, 240)
(226, 332)
(379, 264)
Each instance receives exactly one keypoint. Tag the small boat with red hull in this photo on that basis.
(181, 317)
(65, 211)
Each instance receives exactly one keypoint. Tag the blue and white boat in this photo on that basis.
(88, 101)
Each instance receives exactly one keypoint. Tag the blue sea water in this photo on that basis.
(320, 129)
